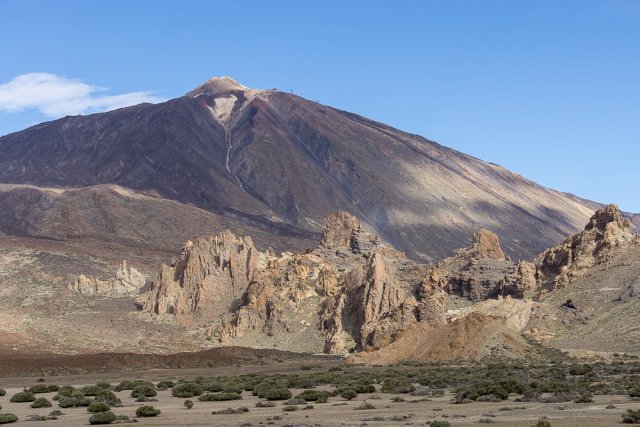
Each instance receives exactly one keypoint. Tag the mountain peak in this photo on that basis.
(219, 86)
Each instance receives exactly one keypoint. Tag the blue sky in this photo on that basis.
(548, 89)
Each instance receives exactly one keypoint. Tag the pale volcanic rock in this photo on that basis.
(606, 230)
(486, 245)
(204, 280)
(513, 313)
(128, 281)
(338, 229)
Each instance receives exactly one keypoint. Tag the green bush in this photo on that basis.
(71, 402)
(631, 417)
(212, 386)
(106, 417)
(22, 397)
(188, 404)
(43, 388)
(143, 390)
(313, 396)
(577, 369)
(634, 392)
(147, 411)
(41, 402)
(7, 418)
(214, 397)
(542, 423)
(2, 392)
(277, 393)
(163, 385)
(98, 407)
(105, 385)
(186, 390)
(91, 390)
(349, 394)
(125, 385)
(232, 388)
(440, 424)
(108, 397)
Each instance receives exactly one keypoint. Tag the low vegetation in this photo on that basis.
(106, 417)
(147, 411)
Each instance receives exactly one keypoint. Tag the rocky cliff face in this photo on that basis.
(128, 281)
(207, 278)
(607, 229)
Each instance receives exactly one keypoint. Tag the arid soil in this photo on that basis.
(337, 412)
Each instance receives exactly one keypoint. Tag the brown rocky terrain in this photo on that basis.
(266, 163)
(354, 293)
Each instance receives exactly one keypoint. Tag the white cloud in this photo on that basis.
(57, 96)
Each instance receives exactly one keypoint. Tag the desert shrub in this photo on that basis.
(365, 406)
(584, 398)
(277, 393)
(265, 404)
(397, 385)
(631, 416)
(542, 423)
(212, 386)
(349, 394)
(71, 402)
(335, 369)
(56, 413)
(7, 418)
(22, 397)
(41, 402)
(90, 390)
(77, 394)
(290, 408)
(313, 395)
(216, 397)
(231, 411)
(39, 388)
(98, 407)
(188, 404)
(65, 391)
(147, 411)
(580, 369)
(3, 392)
(306, 367)
(294, 401)
(143, 390)
(105, 385)
(106, 417)
(108, 397)
(125, 385)
(440, 424)
(163, 385)
(232, 388)
(186, 390)
(634, 392)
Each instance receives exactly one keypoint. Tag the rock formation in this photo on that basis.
(606, 230)
(128, 281)
(207, 278)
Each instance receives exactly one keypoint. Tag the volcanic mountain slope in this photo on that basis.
(110, 223)
(281, 163)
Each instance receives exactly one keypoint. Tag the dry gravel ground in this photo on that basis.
(337, 412)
